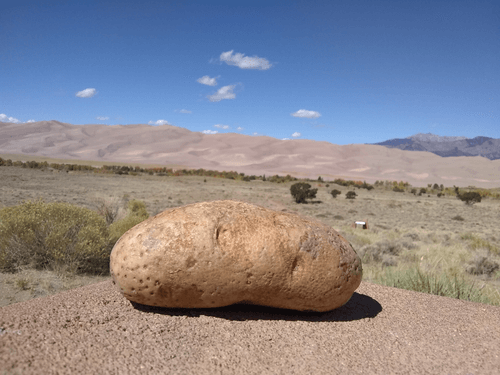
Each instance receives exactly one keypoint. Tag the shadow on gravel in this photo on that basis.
(359, 307)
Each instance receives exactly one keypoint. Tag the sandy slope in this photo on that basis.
(170, 145)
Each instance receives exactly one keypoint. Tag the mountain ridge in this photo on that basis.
(445, 146)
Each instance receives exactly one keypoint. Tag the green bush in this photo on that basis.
(47, 235)
(118, 228)
(335, 192)
(481, 264)
(302, 191)
(138, 208)
(136, 214)
(470, 198)
(351, 195)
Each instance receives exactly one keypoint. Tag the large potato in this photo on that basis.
(218, 253)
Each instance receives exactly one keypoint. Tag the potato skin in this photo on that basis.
(218, 253)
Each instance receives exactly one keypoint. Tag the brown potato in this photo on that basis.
(218, 253)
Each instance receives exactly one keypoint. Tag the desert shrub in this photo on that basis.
(470, 198)
(327, 185)
(481, 264)
(335, 192)
(351, 195)
(439, 195)
(413, 191)
(413, 236)
(379, 252)
(408, 245)
(448, 285)
(48, 235)
(476, 243)
(138, 208)
(340, 182)
(205, 180)
(118, 228)
(302, 191)
(398, 190)
(136, 214)
(388, 261)
(458, 218)
(338, 217)
(366, 186)
(107, 208)
(422, 191)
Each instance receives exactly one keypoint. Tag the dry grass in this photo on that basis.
(436, 245)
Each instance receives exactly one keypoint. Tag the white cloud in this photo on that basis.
(5, 118)
(29, 121)
(285, 139)
(255, 133)
(221, 126)
(87, 93)
(296, 134)
(305, 113)
(209, 131)
(244, 62)
(225, 92)
(184, 111)
(240, 128)
(159, 122)
(206, 80)
(101, 118)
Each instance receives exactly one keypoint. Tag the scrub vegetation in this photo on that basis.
(59, 222)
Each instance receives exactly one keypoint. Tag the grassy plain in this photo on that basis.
(424, 243)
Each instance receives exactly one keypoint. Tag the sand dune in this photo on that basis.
(169, 145)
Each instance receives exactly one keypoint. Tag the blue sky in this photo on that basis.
(338, 71)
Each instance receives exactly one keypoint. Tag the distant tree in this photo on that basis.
(423, 190)
(398, 190)
(470, 198)
(351, 195)
(413, 191)
(441, 187)
(302, 191)
(320, 179)
(335, 192)
(366, 186)
(435, 187)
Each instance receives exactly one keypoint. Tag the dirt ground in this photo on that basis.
(428, 222)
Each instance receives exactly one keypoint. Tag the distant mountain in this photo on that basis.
(447, 146)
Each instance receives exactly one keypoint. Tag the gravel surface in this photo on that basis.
(381, 330)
